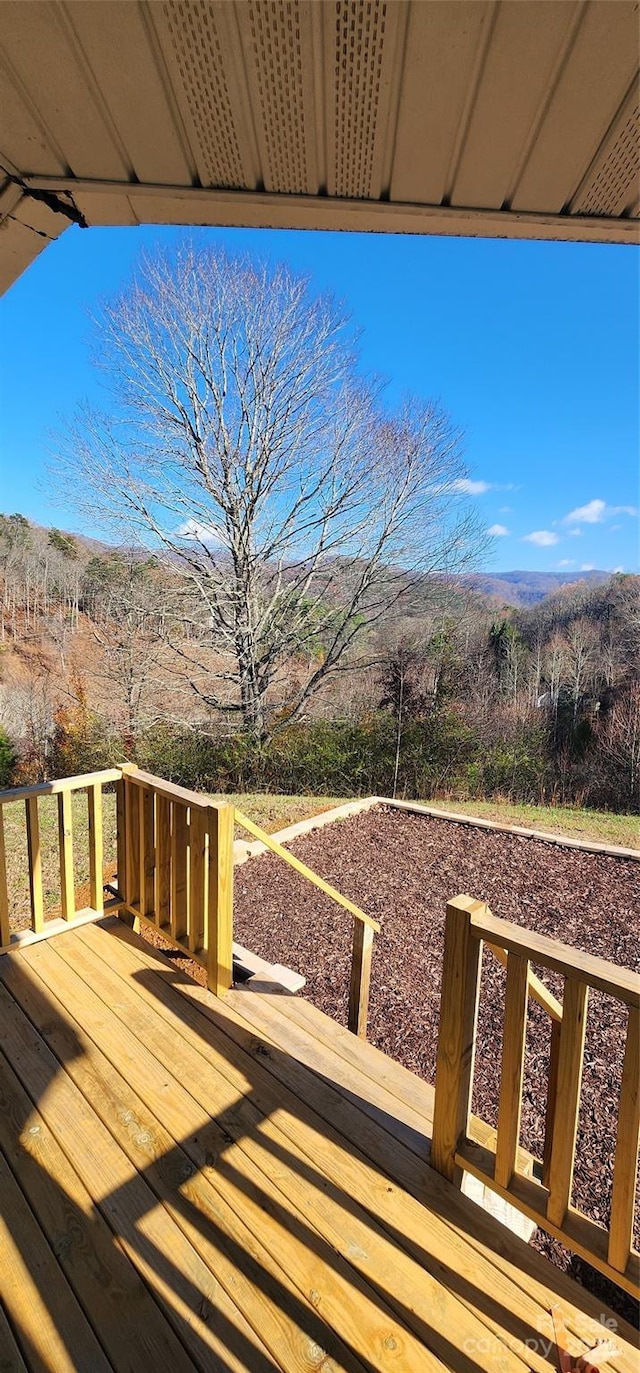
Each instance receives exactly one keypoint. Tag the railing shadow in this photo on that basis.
(277, 1082)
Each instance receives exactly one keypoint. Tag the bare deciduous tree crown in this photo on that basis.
(293, 505)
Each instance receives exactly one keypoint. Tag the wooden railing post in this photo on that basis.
(570, 1061)
(456, 1036)
(219, 909)
(552, 1099)
(35, 864)
(360, 978)
(96, 858)
(130, 888)
(65, 846)
(5, 929)
(626, 1156)
(513, 1042)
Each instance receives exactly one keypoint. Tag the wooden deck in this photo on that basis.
(239, 1184)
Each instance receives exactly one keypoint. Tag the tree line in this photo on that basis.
(458, 696)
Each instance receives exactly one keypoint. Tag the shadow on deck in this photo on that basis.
(238, 1185)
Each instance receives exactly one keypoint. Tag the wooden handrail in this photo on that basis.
(79, 783)
(547, 1201)
(63, 789)
(364, 927)
(596, 972)
(537, 990)
(304, 871)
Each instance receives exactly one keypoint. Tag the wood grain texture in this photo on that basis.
(36, 1295)
(220, 899)
(147, 856)
(65, 849)
(626, 1157)
(552, 1099)
(512, 1070)
(198, 877)
(300, 1082)
(570, 1061)
(360, 979)
(180, 873)
(163, 863)
(132, 847)
(35, 864)
(5, 927)
(610, 978)
(96, 847)
(456, 1035)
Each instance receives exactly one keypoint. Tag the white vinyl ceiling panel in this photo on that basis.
(515, 118)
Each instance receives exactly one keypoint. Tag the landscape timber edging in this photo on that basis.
(564, 841)
(242, 851)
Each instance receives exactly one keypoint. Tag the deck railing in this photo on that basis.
(364, 927)
(93, 784)
(173, 860)
(545, 1197)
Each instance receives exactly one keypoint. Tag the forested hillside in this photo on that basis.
(102, 656)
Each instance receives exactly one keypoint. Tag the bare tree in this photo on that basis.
(242, 441)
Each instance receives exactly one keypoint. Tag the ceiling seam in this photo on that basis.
(33, 110)
(573, 29)
(160, 62)
(401, 46)
(75, 44)
(464, 123)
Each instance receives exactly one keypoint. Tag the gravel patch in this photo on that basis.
(402, 868)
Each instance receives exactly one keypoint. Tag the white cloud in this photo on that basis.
(565, 562)
(467, 487)
(199, 532)
(596, 512)
(575, 533)
(618, 569)
(498, 531)
(587, 567)
(542, 538)
(470, 488)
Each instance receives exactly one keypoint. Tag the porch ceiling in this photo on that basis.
(510, 118)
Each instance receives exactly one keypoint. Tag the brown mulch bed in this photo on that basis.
(402, 868)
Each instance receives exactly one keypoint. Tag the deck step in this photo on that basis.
(252, 967)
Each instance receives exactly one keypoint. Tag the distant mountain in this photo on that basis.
(525, 588)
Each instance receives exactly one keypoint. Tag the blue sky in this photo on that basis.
(531, 347)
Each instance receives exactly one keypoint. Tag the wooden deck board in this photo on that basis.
(262, 1181)
(300, 1161)
(512, 1268)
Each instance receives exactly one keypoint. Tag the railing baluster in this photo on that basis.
(147, 860)
(220, 899)
(65, 846)
(552, 1099)
(198, 878)
(626, 1157)
(35, 864)
(360, 978)
(163, 862)
(570, 1059)
(121, 836)
(513, 1044)
(456, 1035)
(132, 847)
(5, 931)
(179, 873)
(96, 858)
